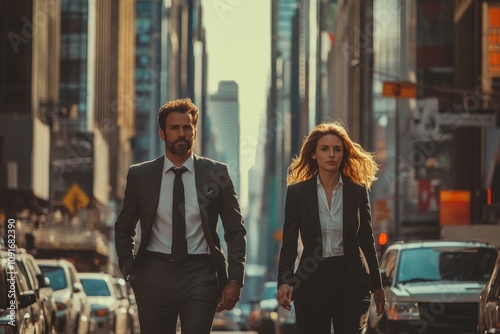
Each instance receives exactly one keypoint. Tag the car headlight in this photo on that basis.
(403, 311)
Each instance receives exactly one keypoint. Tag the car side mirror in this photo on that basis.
(43, 281)
(77, 287)
(26, 299)
(385, 280)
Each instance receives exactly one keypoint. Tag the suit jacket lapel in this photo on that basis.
(201, 179)
(311, 201)
(155, 178)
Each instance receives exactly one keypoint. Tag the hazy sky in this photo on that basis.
(238, 47)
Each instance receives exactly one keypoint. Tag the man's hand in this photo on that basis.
(230, 296)
(284, 296)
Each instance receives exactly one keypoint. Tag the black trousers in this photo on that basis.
(165, 290)
(334, 298)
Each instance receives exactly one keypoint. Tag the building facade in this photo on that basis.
(223, 115)
(29, 80)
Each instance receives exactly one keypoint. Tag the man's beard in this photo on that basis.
(180, 150)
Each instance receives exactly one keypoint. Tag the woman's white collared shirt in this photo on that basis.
(331, 219)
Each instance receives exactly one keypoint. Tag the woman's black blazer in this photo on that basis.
(302, 216)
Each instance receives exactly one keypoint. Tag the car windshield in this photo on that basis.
(446, 263)
(56, 276)
(95, 287)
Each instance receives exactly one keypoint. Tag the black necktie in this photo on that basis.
(179, 242)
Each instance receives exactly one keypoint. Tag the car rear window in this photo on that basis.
(57, 277)
(95, 287)
(446, 263)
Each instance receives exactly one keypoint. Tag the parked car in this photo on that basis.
(489, 304)
(73, 309)
(108, 314)
(227, 320)
(432, 286)
(133, 310)
(40, 284)
(17, 314)
(126, 304)
(263, 314)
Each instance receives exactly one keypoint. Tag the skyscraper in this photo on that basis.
(224, 119)
(170, 64)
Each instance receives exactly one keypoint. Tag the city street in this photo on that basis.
(267, 144)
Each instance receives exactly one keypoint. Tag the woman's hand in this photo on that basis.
(284, 296)
(379, 299)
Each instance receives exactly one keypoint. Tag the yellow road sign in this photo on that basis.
(75, 199)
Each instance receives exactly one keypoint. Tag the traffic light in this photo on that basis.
(382, 239)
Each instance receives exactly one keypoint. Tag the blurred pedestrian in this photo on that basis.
(327, 204)
(179, 269)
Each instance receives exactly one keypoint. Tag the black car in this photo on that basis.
(17, 314)
(489, 304)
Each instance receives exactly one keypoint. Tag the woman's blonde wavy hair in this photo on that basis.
(357, 164)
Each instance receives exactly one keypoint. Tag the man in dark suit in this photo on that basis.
(179, 269)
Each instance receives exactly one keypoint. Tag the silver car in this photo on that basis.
(108, 312)
(73, 309)
(432, 286)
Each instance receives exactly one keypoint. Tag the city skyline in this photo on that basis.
(238, 48)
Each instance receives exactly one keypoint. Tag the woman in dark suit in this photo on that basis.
(328, 210)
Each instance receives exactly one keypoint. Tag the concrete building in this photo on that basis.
(224, 119)
(96, 119)
(29, 80)
(443, 136)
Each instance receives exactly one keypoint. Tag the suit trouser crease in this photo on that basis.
(335, 297)
(165, 290)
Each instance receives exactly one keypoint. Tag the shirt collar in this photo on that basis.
(189, 164)
(318, 182)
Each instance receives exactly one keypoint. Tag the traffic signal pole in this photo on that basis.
(396, 171)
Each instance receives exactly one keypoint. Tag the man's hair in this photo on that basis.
(179, 105)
